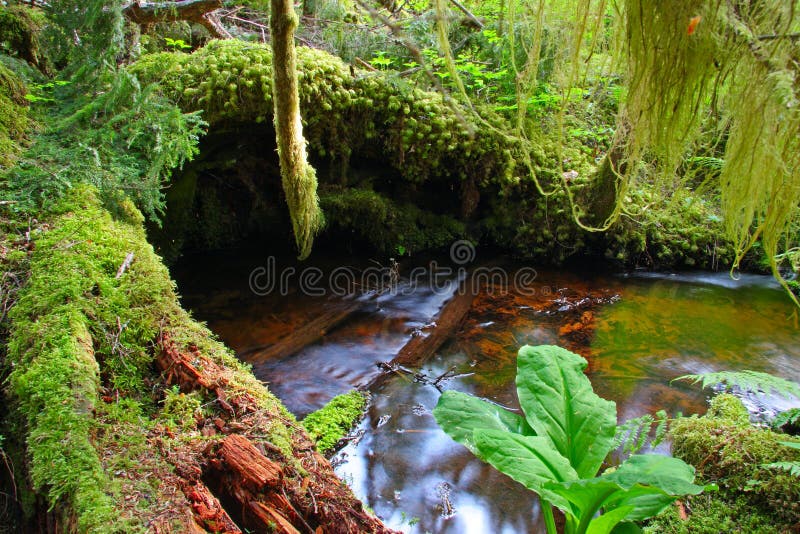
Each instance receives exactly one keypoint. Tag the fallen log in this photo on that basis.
(302, 337)
(421, 347)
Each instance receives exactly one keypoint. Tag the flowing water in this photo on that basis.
(638, 332)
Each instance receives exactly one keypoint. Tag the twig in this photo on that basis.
(365, 64)
(125, 265)
(467, 12)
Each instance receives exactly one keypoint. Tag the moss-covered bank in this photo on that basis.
(726, 449)
(401, 169)
(99, 428)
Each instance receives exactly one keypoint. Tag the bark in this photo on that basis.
(297, 176)
(197, 11)
(302, 337)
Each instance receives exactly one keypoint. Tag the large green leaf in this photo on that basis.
(559, 403)
(643, 486)
(530, 460)
(460, 414)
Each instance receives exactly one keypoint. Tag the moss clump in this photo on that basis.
(726, 449)
(727, 406)
(388, 227)
(333, 421)
(687, 231)
(711, 514)
(20, 27)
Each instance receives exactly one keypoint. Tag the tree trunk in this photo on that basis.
(297, 176)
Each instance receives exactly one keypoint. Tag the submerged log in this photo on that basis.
(421, 347)
(302, 337)
(446, 325)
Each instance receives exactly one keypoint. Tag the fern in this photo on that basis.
(793, 468)
(787, 419)
(633, 434)
(751, 381)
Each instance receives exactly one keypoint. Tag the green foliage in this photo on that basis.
(787, 421)
(633, 435)
(387, 226)
(333, 421)
(176, 44)
(124, 141)
(557, 448)
(752, 381)
(181, 409)
(727, 449)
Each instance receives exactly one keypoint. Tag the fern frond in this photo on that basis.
(786, 419)
(793, 468)
(751, 381)
(633, 434)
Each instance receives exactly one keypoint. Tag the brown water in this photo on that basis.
(638, 333)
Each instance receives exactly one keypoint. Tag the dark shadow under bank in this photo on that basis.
(230, 196)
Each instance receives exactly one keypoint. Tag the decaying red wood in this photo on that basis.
(208, 511)
(303, 336)
(269, 493)
(270, 516)
(191, 370)
(254, 470)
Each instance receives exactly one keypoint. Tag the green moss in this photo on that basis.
(727, 406)
(19, 34)
(386, 226)
(333, 421)
(77, 327)
(711, 514)
(413, 130)
(726, 449)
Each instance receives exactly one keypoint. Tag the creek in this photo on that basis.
(638, 332)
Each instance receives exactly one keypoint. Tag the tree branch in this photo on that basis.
(198, 11)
